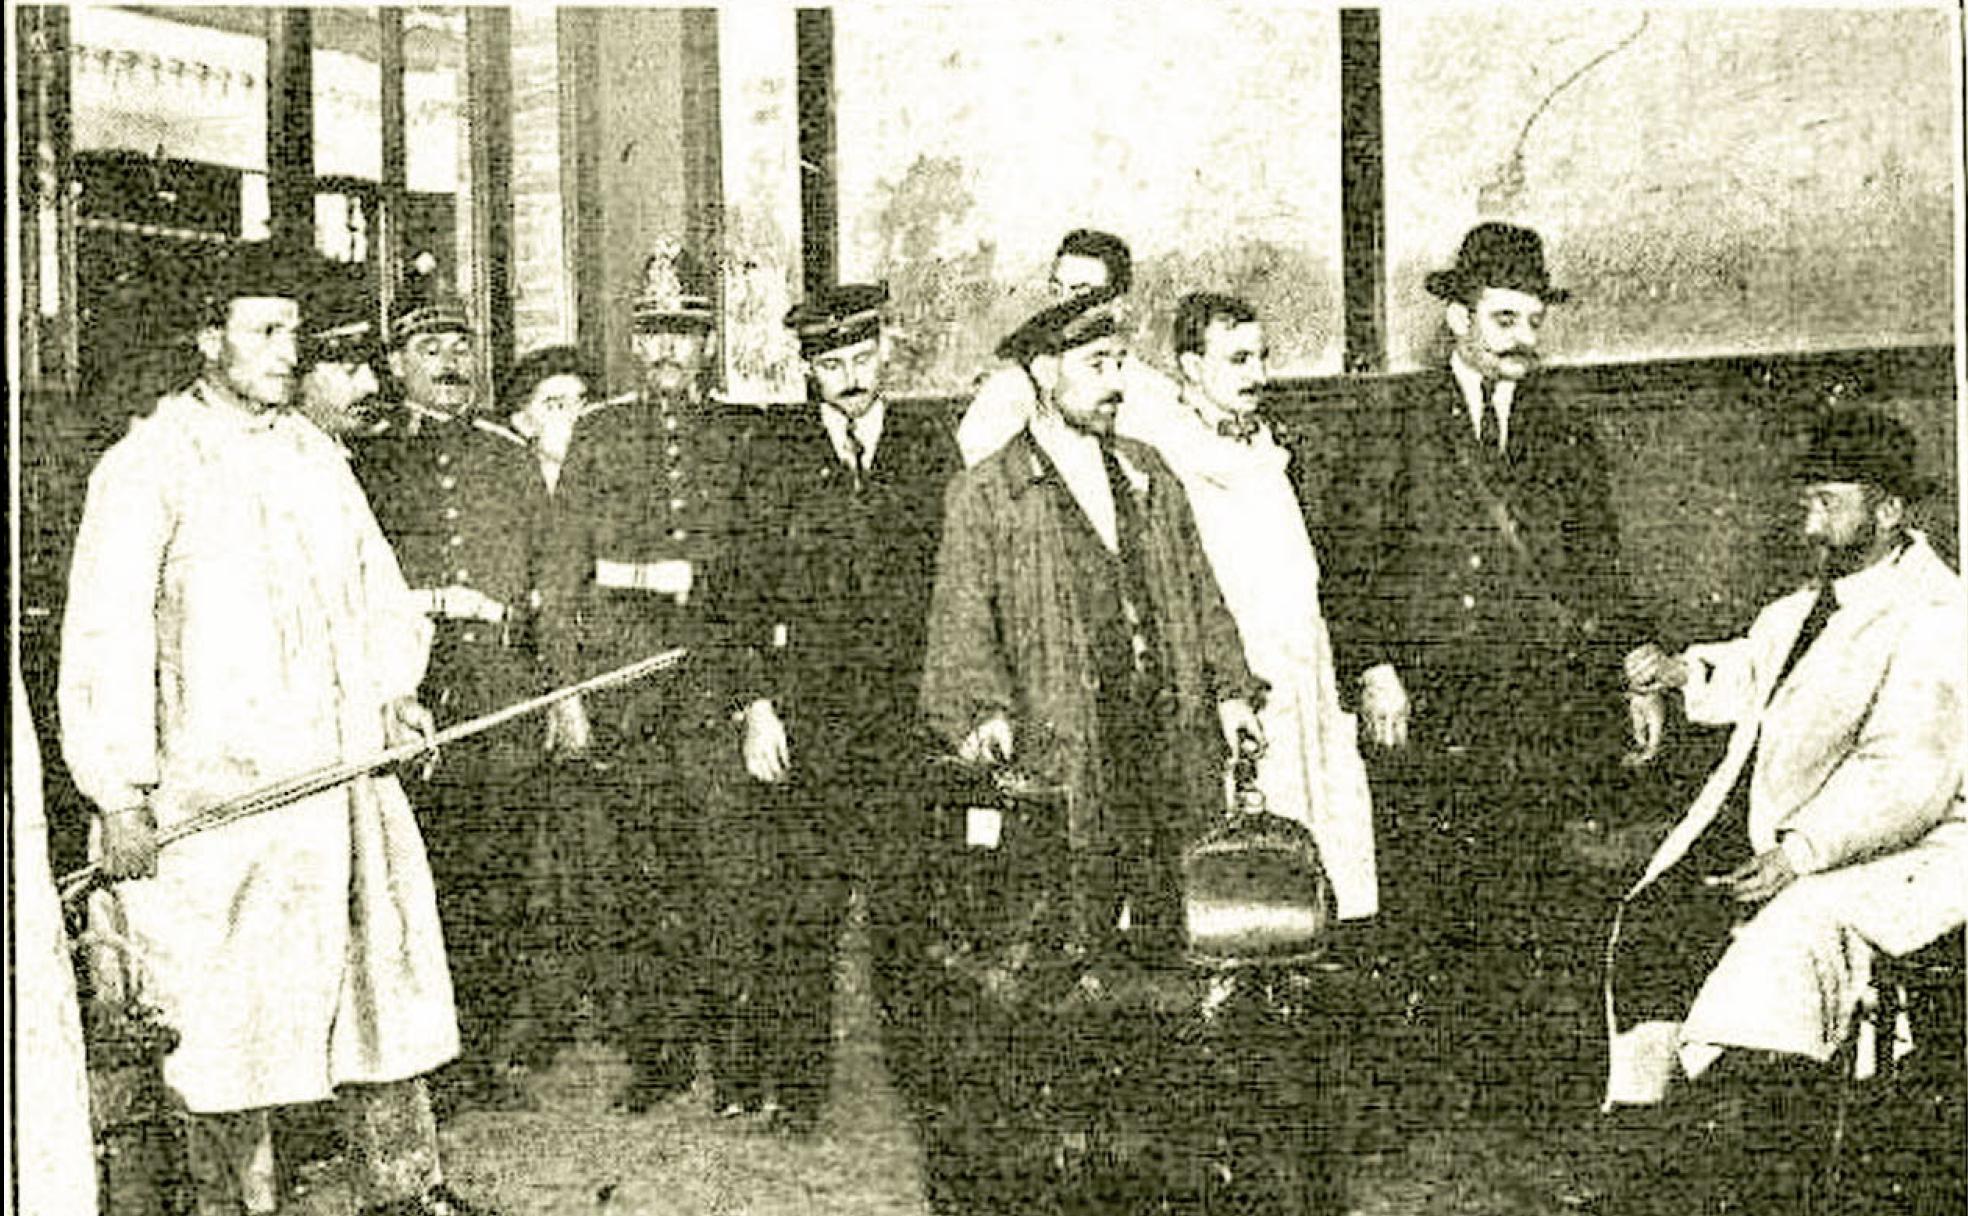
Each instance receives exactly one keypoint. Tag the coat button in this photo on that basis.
(672, 450)
(677, 504)
(1469, 601)
(471, 635)
(443, 458)
(450, 512)
(456, 541)
(462, 577)
(1475, 561)
(679, 533)
(447, 482)
(675, 473)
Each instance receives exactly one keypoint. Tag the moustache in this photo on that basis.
(1112, 400)
(452, 381)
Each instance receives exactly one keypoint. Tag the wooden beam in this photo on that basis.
(388, 262)
(580, 178)
(703, 139)
(488, 109)
(819, 189)
(1363, 206)
(50, 340)
(290, 129)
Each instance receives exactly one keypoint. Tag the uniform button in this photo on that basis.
(450, 512)
(462, 577)
(443, 458)
(447, 482)
(1475, 561)
(1468, 601)
(456, 541)
(672, 450)
(679, 533)
(471, 635)
(676, 504)
(675, 473)
(669, 423)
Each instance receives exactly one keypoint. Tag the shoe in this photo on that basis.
(440, 1200)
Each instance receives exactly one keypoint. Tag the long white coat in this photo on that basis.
(1859, 755)
(1253, 530)
(235, 617)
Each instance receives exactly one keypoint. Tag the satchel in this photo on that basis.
(1254, 890)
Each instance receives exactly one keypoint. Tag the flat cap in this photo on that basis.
(1060, 327)
(838, 316)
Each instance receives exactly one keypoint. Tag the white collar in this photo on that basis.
(1471, 382)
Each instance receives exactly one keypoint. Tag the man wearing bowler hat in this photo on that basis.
(1484, 628)
(1745, 946)
(843, 518)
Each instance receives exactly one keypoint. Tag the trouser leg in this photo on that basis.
(664, 898)
(230, 1158)
(799, 932)
(392, 1137)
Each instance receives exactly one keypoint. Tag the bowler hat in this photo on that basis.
(1862, 446)
(837, 316)
(1063, 326)
(1497, 255)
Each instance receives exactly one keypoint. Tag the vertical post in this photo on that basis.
(488, 107)
(580, 177)
(388, 267)
(48, 330)
(703, 139)
(290, 129)
(819, 204)
(1363, 206)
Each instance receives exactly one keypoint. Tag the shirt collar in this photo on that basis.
(1471, 382)
(218, 408)
(1873, 582)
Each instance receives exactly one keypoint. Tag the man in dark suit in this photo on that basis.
(843, 517)
(1486, 627)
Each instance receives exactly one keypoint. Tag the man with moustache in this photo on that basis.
(842, 523)
(461, 502)
(1742, 952)
(339, 355)
(1486, 630)
(235, 618)
(643, 532)
(1077, 631)
(1087, 260)
(1244, 484)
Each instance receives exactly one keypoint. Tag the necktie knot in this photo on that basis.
(1241, 427)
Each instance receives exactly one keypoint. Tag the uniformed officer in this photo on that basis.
(644, 518)
(464, 506)
(844, 508)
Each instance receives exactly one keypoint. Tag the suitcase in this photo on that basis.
(1081, 1066)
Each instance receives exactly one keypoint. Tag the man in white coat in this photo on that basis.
(1246, 500)
(235, 617)
(1742, 951)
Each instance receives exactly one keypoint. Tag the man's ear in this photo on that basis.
(396, 363)
(1190, 364)
(211, 342)
(1889, 512)
(1458, 318)
(1044, 370)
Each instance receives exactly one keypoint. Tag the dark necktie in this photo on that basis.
(1489, 430)
(1814, 622)
(857, 453)
(1241, 427)
(1134, 582)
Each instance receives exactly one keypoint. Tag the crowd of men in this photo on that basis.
(1106, 578)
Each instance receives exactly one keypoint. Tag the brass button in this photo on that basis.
(471, 635)
(447, 482)
(679, 533)
(456, 540)
(677, 504)
(1475, 561)
(669, 422)
(462, 576)
(1469, 601)
(675, 473)
(672, 450)
(450, 512)
(443, 458)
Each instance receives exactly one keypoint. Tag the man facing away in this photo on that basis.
(1087, 260)
(1243, 484)
(236, 618)
(1741, 953)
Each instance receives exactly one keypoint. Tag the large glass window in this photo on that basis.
(1710, 181)
(969, 140)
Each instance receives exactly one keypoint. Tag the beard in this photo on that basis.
(1838, 559)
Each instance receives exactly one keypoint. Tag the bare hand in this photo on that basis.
(569, 736)
(1757, 879)
(767, 755)
(406, 721)
(129, 844)
(1243, 734)
(1646, 717)
(1384, 706)
(989, 744)
(1649, 669)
